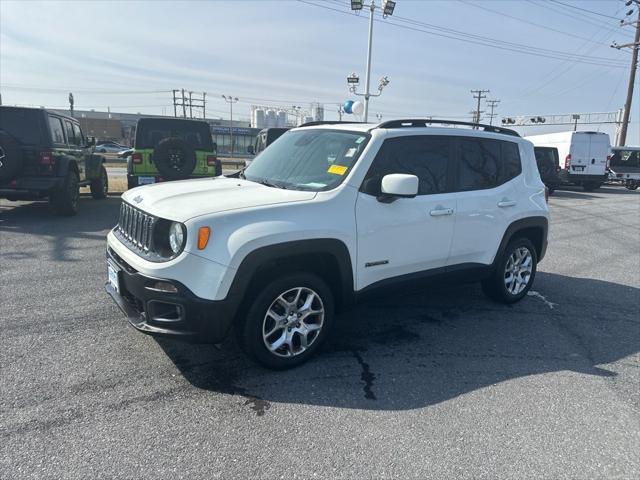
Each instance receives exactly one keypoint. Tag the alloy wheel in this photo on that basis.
(293, 322)
(517, 272)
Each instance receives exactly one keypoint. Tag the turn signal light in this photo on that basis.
(136, 157)
(203, 237)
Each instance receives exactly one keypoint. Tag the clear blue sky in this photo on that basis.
(118, 54)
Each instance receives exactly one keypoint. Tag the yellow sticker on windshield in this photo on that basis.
(337, 169)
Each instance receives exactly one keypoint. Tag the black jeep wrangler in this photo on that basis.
(44, 154)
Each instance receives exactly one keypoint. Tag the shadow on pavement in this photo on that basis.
(579, 193)
(94, 219)
(420, 349)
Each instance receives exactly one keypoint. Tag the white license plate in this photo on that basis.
(146, 180)
(113, 277)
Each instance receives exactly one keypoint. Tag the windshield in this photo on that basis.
(315, 159)
(150, 131)
(625, 158)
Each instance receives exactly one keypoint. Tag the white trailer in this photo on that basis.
(583, 156)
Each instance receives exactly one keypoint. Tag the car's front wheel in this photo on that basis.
(514, 272)
(100, 186)
(288, 320)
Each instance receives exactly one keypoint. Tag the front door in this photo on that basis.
(408, 235)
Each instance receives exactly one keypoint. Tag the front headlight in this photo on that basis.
(176, 237)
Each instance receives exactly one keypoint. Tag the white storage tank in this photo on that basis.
(282, 119)
(271, 119)
(260, 118)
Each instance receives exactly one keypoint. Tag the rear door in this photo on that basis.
(598, 151)
(579, 151)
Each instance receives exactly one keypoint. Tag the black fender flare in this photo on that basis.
(280, 253)
(93, 165)
(537, 222)
(66, 163)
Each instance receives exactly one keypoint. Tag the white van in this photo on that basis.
(583, 156)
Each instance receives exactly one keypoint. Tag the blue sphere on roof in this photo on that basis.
(348, 106)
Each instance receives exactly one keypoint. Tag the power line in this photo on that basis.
(408, 24)
(583, 9)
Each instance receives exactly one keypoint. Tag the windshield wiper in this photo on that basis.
(266, 182)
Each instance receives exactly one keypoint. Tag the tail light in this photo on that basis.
(211, 160)
(136, 157)
(567, 162)
(47, 158)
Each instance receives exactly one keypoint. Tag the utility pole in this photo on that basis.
(479, 95)
(190, 105)
(175, 106)
(622, 139)
(71, 103)
(184, 105)
(230, 100)
(204, 105)
(492, 105)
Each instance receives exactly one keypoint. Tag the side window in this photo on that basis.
(78, 135)
(68, 128)
(479, 165)
(56, 130)
(427, 157)
(511, 166)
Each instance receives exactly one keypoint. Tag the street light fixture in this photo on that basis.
(230, 100)
(388, 6)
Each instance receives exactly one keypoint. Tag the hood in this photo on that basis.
(186, 199)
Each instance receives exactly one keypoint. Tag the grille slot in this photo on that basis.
(136, 226)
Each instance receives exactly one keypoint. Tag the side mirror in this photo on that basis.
(398, 185)
(91, 141)
(251, 150)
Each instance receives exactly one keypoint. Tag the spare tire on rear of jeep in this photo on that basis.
(10, 157)
(174, 158)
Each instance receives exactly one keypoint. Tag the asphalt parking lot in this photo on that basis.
(432, 384)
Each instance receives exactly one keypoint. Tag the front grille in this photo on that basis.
(136, 226)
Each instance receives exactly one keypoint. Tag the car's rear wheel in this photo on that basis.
(287, 321)
(65, 200)
(100, 186)
(514, 272)
(631, 185)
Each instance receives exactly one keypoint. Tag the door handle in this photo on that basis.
(507, 203)
(441, 211)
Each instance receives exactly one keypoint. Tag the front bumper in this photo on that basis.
(181, 315)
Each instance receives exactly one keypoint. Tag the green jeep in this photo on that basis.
(44, 154)
(171, 149)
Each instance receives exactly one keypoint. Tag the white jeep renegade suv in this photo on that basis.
(327, 213)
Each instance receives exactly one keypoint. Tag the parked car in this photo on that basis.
(171, 149)
(624, 166)
(44, 154)
(265, 138)
(323, 217)
(548, 166)
(110, 147)
(584, 156)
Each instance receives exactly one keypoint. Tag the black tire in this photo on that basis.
(590, 186)
(64, 201)
(250, 333)
(631, 185)
(494, 286)
(100, 186)
(10, 157)
(551, 190)
(174, 158)
(132, 182)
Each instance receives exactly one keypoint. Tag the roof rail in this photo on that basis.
(325, 122)
(423, 122)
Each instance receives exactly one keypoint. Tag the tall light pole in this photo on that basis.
(387, 9)
(230, 100)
